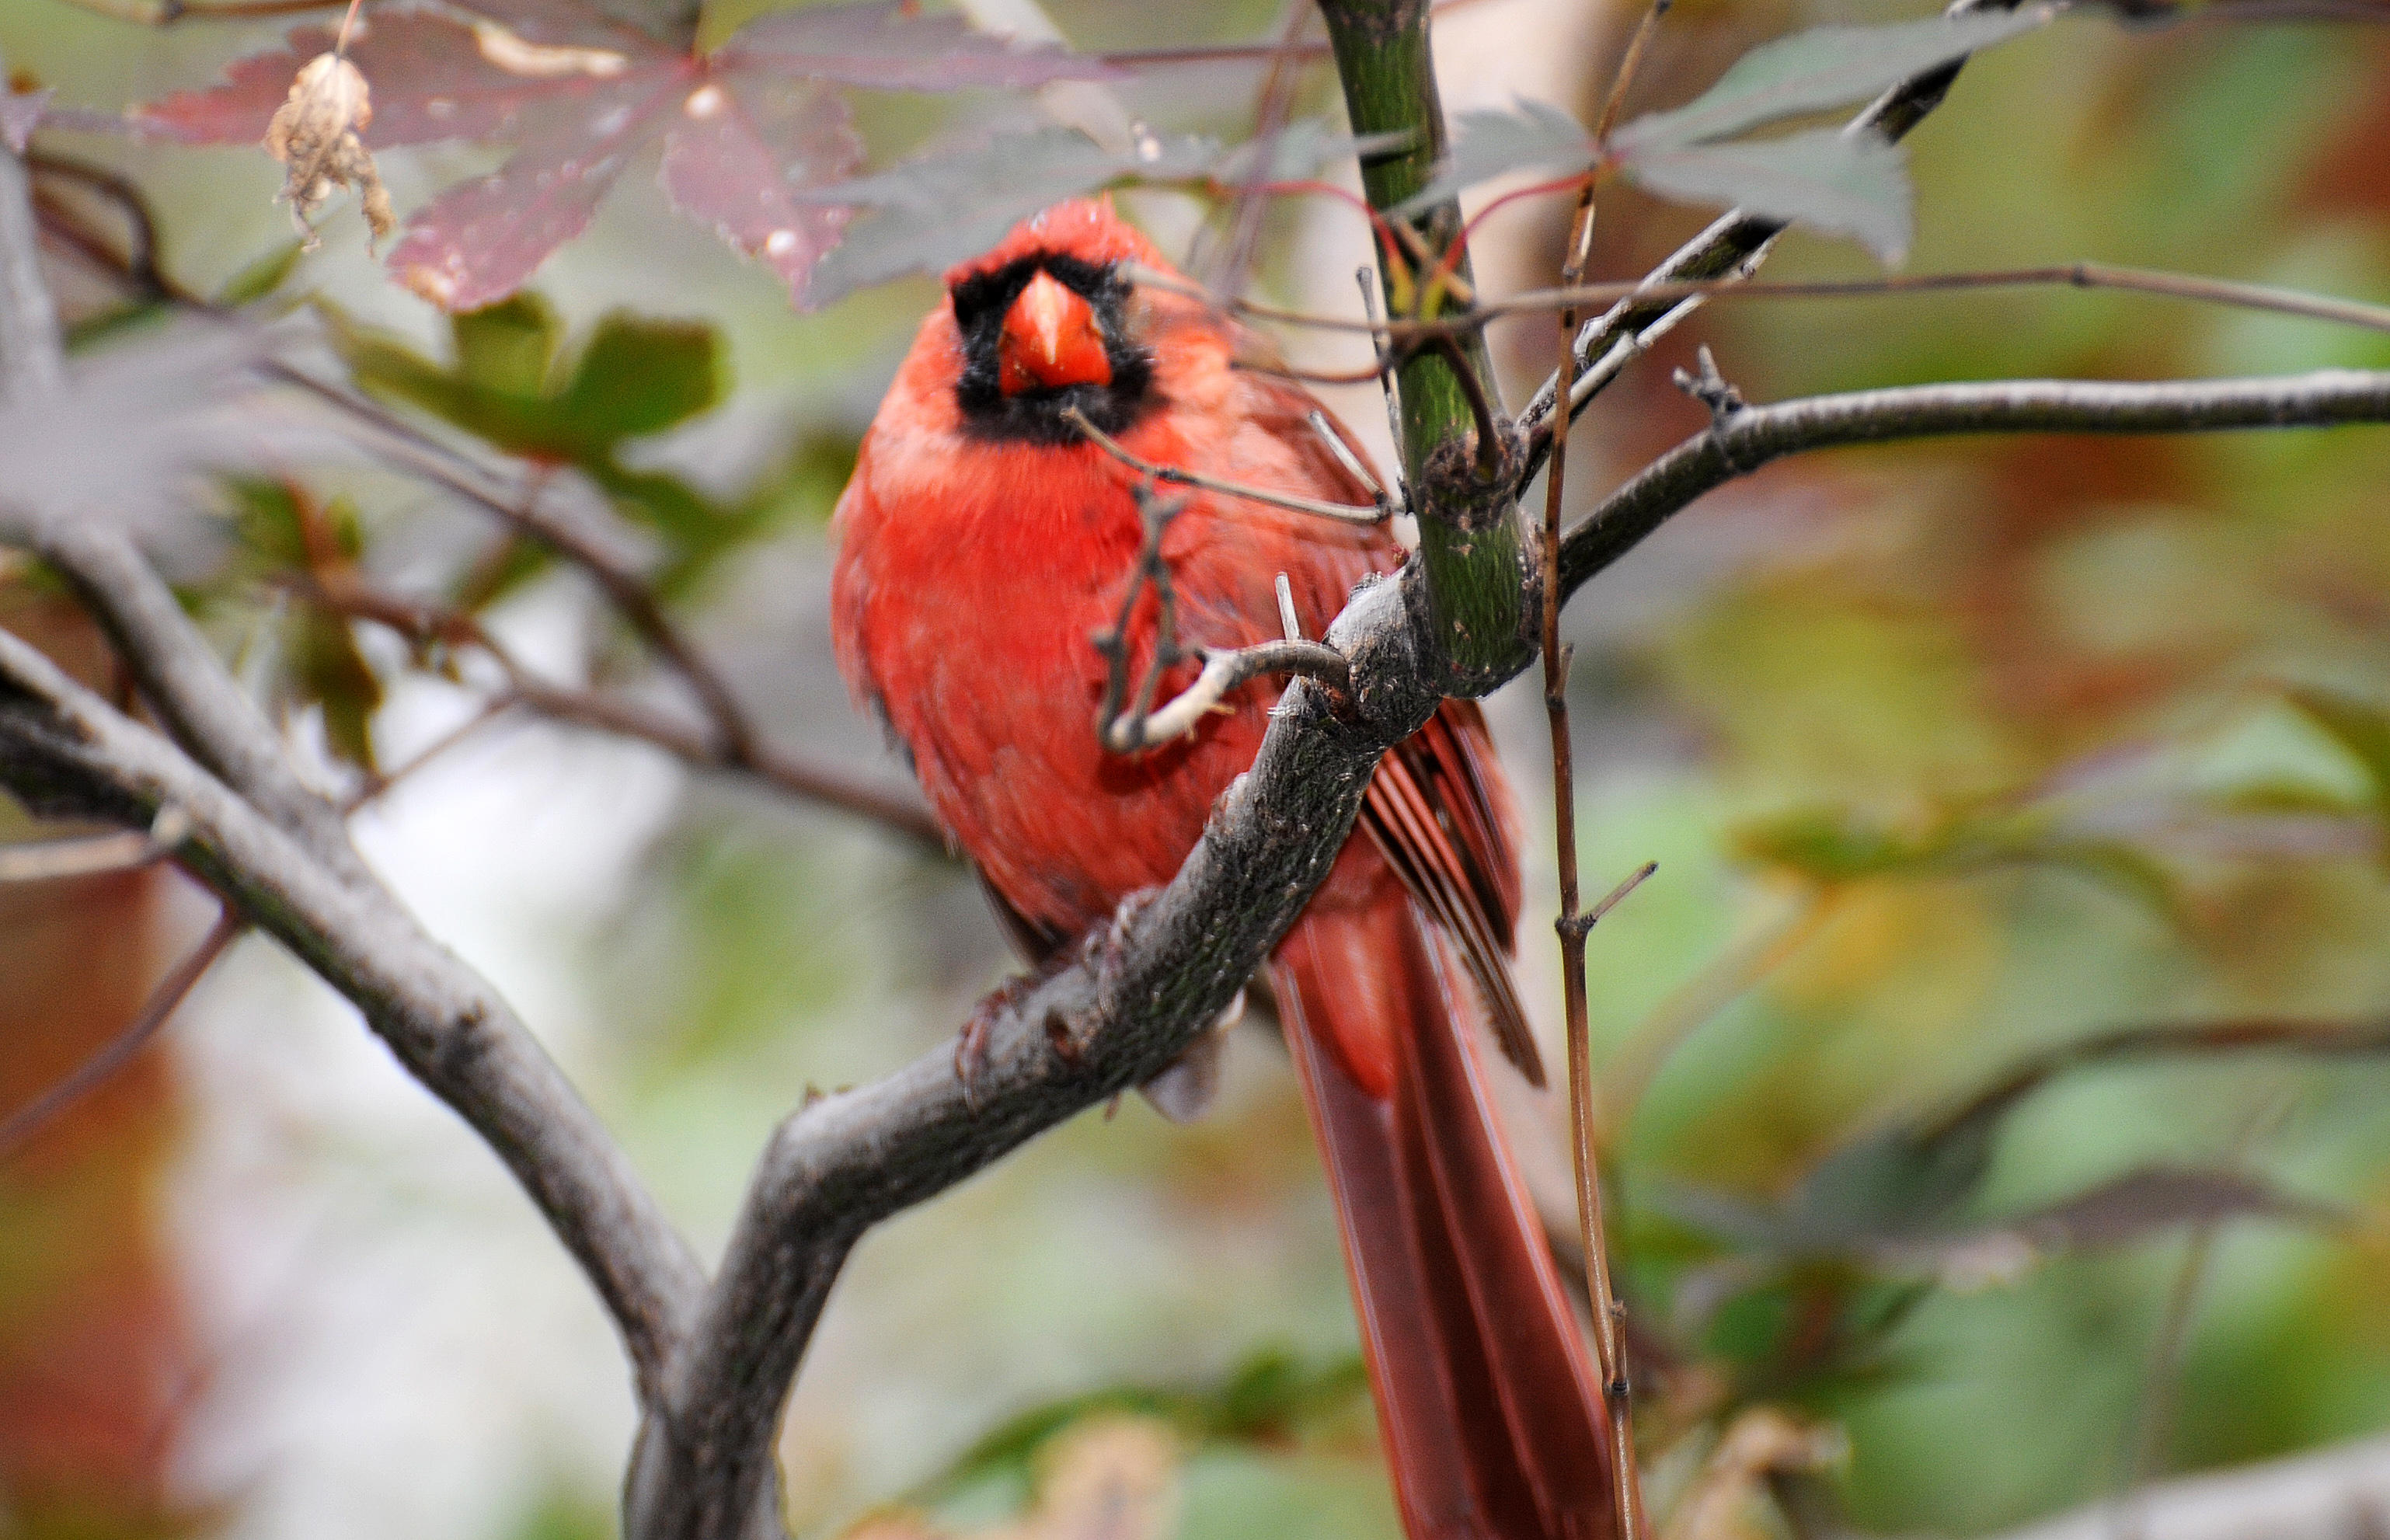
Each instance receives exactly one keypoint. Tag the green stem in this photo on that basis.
(1474, 560)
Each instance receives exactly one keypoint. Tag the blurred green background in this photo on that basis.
(1949, 754)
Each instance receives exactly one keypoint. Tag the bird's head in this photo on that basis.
(1049, 322)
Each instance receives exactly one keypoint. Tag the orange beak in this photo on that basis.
(1051, 340)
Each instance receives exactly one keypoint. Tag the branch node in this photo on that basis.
(1459, 488)
(1574, 928)
(1726, 403)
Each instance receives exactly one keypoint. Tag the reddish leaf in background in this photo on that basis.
(730, 163)
(877, 46)
(581, 95)
(480, 240)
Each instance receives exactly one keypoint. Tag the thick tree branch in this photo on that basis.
(1114, 1016)
(1745, 438)
(64, 750)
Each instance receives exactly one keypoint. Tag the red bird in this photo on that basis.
(985, 540)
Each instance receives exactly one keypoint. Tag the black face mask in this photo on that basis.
(983, 299)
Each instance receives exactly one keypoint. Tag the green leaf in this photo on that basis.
(1824, 67)
(328, 670)
(1844, 185)
(2360, 726)
(1829, 846)
(507, 348)
(262, 276)
(639, 377)
(635, 377)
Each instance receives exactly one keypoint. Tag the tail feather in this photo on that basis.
(1487, 1399)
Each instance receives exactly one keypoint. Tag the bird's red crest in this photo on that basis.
(1086, 229)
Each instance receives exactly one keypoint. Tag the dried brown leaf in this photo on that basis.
(314, 135)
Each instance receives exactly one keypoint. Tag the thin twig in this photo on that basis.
(1121, 716)
(1225, 669)
(138, 263)
(1751, 438)
(1387, 385)
(1626, 1482)
(1269, 120)
(1733, 245)
(1348, 513)
(1537, 302)
(419, 622)
(26, 1121)
(1627, 66)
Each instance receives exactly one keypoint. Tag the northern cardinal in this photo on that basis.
(983, 539)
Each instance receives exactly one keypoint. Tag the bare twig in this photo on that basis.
(1625, 1480)
(1408, 331)
(29, 1119)
(420, 621)
(1627, 64)
(1748, 439)
(1225, 670)
(138, 262)
(1388, 387)
(1348, 513)
(1271, 113)
(1123, 711)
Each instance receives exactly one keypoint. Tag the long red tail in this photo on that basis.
(1488, 1401)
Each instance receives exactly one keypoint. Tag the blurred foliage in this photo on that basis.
(2028, 738)
(1956, 758)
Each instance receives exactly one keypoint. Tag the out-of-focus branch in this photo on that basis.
(734, 744)
(64, 750)
(1745, 438)
(26, 1121)
(2339, 1494)
(523, 509)
(419, 622)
